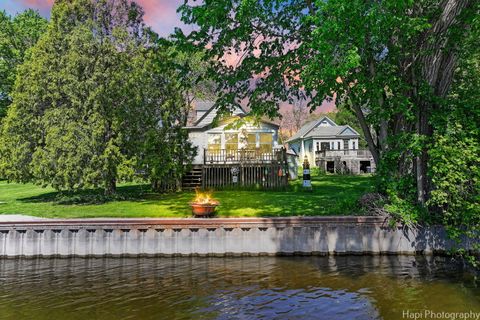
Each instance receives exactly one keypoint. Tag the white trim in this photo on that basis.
(348, 127)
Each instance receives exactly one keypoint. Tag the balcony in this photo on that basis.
(346, 153)
(243, 156)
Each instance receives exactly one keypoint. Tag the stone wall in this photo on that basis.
(242, 236)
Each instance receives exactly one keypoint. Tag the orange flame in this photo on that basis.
(204, 197)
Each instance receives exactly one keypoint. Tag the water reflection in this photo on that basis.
(353, 287)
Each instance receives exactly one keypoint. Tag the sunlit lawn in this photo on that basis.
(331, 195)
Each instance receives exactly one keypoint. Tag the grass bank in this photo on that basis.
(331, 195)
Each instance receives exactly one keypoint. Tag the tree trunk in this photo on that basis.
(421, 159)
(383, 132)
(366, 130)
(110, 186)
(437, 69)
(155, 185)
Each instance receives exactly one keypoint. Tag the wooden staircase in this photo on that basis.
(192, 179)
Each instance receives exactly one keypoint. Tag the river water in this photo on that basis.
(345, 287)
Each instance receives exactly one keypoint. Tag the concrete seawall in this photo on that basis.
(218, 237)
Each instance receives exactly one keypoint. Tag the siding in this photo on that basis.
(200, 139)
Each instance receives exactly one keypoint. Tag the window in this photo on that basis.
(318, 146)
(338, 145)
(214, 142)
(252, 141)
(325, 146)
(266, 142)
(353, 145)
(248, 141)
(231, 142)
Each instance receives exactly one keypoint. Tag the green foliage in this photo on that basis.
(455, 151)
(94, 103)
(17, 35)
(457, 178)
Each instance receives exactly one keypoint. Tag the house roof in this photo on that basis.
(203, 105)
(303, 130)
(210, 113)
(313, 129)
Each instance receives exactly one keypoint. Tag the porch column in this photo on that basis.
(302, 151)
(222, 141)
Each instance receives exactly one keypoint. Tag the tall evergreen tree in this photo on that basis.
(87, 100)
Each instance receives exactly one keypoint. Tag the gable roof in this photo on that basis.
(203, 105)
(210, 112)
(348, 131)
(313, 129)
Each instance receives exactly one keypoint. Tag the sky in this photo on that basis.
(161, 15)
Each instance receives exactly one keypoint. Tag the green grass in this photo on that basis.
(331, 195)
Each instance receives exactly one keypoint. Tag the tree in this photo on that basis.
(294, 118)
(390, 62)
(191, 71)
(17, 35)
(90, 100)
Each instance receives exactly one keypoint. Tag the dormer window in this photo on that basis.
(324, 123)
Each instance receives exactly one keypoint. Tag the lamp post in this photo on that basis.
(307, 182)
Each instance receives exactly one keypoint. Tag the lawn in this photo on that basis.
(331, 195)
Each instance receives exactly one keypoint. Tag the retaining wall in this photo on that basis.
(242, 236)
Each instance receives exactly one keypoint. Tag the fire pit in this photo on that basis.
(203, 205)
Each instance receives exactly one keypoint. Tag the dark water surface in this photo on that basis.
(351, 287)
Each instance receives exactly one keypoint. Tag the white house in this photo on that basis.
(331, 147)
(216, 140)
(232, 153)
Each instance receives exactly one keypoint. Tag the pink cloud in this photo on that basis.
(37, 3)
(161, 15)
(43, 6)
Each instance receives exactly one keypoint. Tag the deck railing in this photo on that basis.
(362, 153)
(243, 156)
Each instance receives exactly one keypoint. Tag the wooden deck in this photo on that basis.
(245, 168)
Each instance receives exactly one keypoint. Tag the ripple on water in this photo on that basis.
(238, 288)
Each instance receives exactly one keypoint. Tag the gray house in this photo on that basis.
(331, 147)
